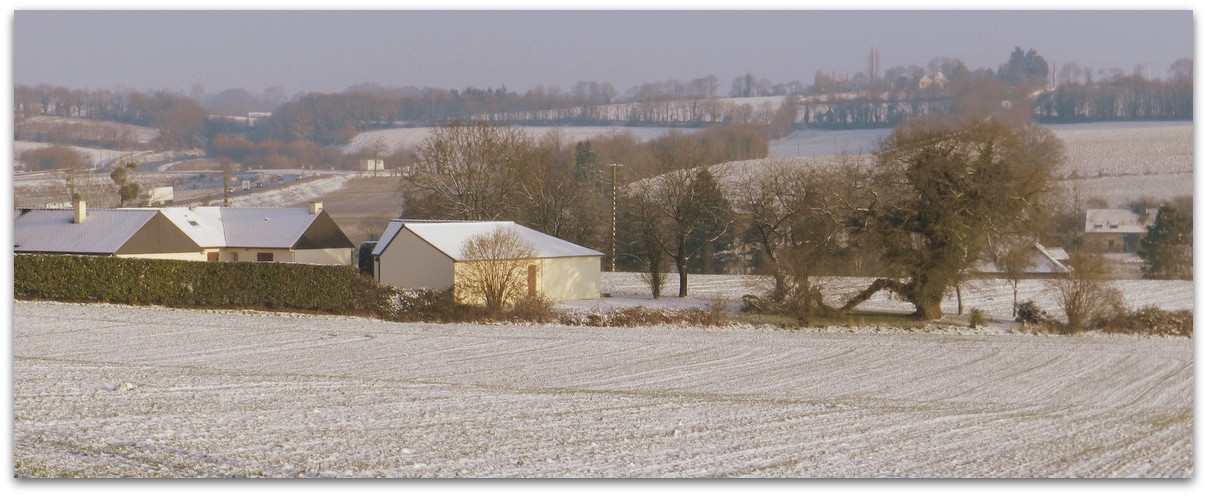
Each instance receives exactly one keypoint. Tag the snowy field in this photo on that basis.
(391, 140)
(993, 296)
(109, 390)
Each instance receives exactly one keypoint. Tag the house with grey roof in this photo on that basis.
(115, 232)
(1116, 230)
(228, 234)
(418, 254)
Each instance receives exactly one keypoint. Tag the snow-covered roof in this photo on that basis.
(202, 224)
(1041, 260)
(449, 236)
(242, 227)
(104, 231)
(1116, 220)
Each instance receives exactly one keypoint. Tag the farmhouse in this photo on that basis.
(1113, 230)
(299, 235)
(417, 254)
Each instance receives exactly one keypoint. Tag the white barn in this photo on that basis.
(416, 254)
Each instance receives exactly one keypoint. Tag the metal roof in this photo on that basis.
(103, 231)
(449, 236)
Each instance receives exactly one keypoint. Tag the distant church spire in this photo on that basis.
(873, 65)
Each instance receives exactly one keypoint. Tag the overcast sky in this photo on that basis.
(329, 51)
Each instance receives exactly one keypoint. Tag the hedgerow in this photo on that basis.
(275, 286)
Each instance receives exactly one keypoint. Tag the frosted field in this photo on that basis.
(395, 139)
(108, 390)
(993, 296)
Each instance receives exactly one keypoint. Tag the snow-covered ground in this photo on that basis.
(108, 390)
(993, 296)
(294, 193)
(391, 140)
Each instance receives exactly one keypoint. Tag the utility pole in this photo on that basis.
(614, 166)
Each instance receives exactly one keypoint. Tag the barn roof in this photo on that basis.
(104, 231)
(449, 236)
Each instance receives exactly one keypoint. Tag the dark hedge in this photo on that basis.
(277, 286)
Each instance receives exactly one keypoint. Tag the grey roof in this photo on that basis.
(242, 227)
(104, 231)
(449, 236)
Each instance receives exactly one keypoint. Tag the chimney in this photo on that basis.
(316, 207)
(81, 211)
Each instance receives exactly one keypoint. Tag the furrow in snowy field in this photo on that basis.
(280, 395)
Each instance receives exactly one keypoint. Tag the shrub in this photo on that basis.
(1086, 295)
(1028, 312)
(1152, 320)
(535, 309)
(977, 318)
(430, 305)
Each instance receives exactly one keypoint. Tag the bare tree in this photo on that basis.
(495, 270)
(1086, 294)
(694, 212)
(468, 172)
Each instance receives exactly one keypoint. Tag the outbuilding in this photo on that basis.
(419, 254)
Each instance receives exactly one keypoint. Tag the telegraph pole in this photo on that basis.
(614, 166)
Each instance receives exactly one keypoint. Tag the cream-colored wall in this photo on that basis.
(326, 256)
(190, 256)
(570, 278)
(410, 262)
(249, 254)
(559, 279)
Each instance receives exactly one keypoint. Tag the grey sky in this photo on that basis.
(331, 50)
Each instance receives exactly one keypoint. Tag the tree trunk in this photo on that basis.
(681, 264)
(928, 311)
(1014, 308)
(959, 300)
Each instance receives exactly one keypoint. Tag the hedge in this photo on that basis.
(330, 289)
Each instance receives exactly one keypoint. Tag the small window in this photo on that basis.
(264, 257)
(211, 256)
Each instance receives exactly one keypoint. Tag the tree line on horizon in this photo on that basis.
(866, 99)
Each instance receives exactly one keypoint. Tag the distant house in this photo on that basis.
(1113, 230)
(299, 235)
(142, 233)
(1041, 262)
(427, 254)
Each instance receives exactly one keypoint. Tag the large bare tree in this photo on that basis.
(468, 172)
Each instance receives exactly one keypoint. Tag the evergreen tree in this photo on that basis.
(1166, 247)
